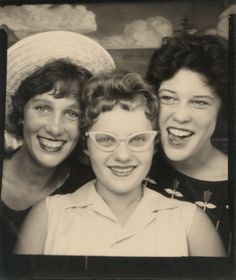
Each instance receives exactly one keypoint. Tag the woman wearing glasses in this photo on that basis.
(117, 213)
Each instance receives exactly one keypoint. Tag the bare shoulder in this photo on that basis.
(32, 235)
(203, 238)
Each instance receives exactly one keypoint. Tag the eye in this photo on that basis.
(42, 108)
(200, 103)
(138, 140)
(167, 99)
(72, 115)
(105, 139)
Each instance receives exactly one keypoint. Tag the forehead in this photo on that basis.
(49, 98)
(187, 82)
(122, 122)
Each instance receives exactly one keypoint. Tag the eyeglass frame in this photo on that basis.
(119, 140)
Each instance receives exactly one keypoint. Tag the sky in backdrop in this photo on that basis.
(129, 24)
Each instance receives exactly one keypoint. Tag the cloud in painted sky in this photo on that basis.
(140, 34)
(222, 26)
(36, 18)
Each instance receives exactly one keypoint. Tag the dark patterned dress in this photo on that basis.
(210, 196)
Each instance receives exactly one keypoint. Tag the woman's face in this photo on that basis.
(188, 115)
(120, 171)
(50, 128)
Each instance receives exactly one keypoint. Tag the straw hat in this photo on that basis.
(31, 53)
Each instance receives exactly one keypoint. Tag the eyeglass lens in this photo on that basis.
(135, 142)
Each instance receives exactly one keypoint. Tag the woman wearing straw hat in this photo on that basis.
(117, 214)
(45, 75)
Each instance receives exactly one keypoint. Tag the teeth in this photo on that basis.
(122, 171)
(51, 144)
(179, 132)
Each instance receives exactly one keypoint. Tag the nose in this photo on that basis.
(122, 153)
(55, 125)
(182, 113)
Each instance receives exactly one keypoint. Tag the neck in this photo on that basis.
(204, 165)
(30, 172)
(122, 205)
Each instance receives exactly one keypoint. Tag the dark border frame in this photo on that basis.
(63, 267)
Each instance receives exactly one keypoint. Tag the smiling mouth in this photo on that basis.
(122, 171)
(178, 135)
(51, 145)
(179, 132)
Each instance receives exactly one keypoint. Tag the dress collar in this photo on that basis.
(87, 195)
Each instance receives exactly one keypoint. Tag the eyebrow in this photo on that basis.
(195, 96)
(204, 96)
(171, 91)
(39, 99)
(74, 106)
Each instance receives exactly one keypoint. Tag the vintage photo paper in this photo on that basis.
(140, 189)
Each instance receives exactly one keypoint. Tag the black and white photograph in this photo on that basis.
(117, 139)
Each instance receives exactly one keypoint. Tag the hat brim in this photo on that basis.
(31, 53)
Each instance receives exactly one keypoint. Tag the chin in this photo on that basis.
(122, 188)
(174, 155)
(50, 163)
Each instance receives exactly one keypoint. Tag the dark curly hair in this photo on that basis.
(206, 55)
(127, 90)
(60, 76)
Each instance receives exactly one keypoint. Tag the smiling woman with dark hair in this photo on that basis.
(190, 74)
(59, 78)
(117, 214)
(46, 115)
(45, 77)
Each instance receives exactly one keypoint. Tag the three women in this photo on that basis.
(120, 166)
(117, 214)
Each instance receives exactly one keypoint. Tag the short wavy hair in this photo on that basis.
(127, 90)
(206, 55)
(60, 76)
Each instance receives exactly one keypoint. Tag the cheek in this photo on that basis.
(97, 157)
(98, 164)
(73, 130)
(30, 125)
(146, 157)
(207, 120)
(210, 129)
(163, 114)
(33, 121)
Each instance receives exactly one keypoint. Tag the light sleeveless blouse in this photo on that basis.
(81, 223)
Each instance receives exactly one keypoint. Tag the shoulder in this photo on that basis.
(161, 202)
(70, 199)
(170, 209)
